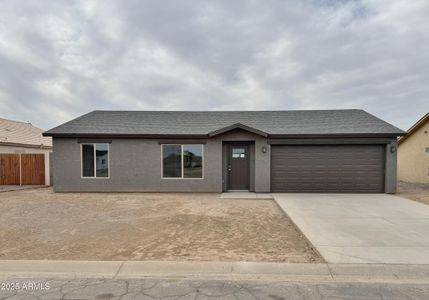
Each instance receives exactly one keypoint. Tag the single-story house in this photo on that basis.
(215, 151)
(24, 154)
(413, 153)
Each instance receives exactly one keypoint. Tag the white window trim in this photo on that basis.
(95, 162)
(183, 169)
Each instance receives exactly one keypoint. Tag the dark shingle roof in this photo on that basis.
(300, 122)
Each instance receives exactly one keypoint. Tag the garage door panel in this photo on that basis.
(327, 168)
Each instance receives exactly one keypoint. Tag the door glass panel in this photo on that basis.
(238, 153)
(193, 161)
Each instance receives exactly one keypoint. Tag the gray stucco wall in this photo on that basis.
(135, 165)
(391, 167)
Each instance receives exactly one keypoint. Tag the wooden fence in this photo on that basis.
(22, 169)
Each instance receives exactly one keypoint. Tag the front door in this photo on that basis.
(239, 166)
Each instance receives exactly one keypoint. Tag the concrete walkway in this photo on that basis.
(215, 270)
(361, 228)
(246, 195)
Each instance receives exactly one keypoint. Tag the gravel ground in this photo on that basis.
(415, 191)
(8, 188)
(40, 224)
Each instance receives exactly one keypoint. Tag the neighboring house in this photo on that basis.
(215, 151)
(413, 153)
(24, 154)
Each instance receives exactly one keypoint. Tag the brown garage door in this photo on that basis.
(327, 168)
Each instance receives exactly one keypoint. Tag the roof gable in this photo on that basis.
(237, 126)
(414, 128)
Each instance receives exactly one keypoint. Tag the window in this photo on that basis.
(172, 161)
(427, 149)
(193, 161)
(88, 160)
(101, 153)
(95, 160)
(182, 161)
(238, 153)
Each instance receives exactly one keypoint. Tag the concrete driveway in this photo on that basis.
(361, 228)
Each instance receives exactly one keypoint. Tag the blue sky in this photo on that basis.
(60, 59)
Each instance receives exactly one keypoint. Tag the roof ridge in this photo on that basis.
(21, 122)
(236, 111)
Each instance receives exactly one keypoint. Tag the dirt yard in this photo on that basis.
(415, 191)
(39, 224)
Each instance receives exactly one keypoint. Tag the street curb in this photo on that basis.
(215, 270)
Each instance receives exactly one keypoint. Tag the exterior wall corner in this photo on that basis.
(391, 167)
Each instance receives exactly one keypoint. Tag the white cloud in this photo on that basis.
(60, 59)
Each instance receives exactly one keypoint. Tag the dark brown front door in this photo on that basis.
(238, 167)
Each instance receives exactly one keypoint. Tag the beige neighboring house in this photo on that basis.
(413, 153)
(24, 154)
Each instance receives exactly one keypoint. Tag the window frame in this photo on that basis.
(95, 161)
(182, 158)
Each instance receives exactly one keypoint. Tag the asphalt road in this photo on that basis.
(204, 289)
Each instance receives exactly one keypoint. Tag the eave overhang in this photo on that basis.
(32, 146)
(221, 131)
(414, 128)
